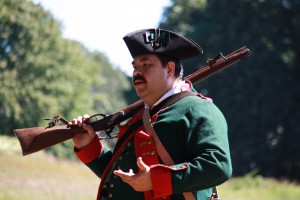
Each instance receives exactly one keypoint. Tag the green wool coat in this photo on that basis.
(194, 132)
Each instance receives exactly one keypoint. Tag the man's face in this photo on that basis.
(150, 78)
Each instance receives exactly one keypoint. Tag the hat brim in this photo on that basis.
(160, 41)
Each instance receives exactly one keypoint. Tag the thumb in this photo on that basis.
(141, 164)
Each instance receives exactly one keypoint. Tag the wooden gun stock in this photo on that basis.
(38, 138)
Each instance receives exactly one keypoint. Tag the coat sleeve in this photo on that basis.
(198, 143)
(96, 156)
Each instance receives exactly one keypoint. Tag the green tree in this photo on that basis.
(259, 96)
(43, 74)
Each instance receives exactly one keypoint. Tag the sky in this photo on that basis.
(100, 25)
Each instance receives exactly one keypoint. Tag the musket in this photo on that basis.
(38, 138)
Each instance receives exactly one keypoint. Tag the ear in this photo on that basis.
(170, 68)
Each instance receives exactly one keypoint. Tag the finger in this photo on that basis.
(80, 121)
(86, 118)
(74, 121)
(124, 175)
(120, 173)
(141, 164)
(70, 123)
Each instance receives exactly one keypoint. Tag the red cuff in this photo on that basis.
(90, 152)
(161, 181)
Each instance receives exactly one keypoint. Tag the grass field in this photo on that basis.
(42, 177)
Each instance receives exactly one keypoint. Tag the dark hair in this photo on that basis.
(178, 65)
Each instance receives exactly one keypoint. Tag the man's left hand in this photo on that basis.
(141, 181)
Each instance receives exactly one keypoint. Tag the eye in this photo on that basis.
(134, 67)
(147, 64)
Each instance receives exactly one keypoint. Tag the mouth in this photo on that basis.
(138, 80)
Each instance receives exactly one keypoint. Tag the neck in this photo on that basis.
(166, 93)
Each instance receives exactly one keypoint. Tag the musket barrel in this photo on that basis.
(219, 65)
(38, 138)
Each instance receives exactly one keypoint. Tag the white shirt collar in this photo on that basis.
(174, 90)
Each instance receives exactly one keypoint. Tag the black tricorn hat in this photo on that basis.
(161, 42)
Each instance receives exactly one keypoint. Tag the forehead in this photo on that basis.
(145, 57)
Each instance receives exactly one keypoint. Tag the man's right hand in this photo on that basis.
(81, 140)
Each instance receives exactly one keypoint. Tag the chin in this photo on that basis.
(141, 95)
(140, 92)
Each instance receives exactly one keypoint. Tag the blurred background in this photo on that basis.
(43, 72)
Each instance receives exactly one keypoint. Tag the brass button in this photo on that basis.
(104, 186)
(110, 195)
(111, 185)
(152, 153)
(149, 142)
(128, 144)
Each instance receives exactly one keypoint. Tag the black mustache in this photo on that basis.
(138, 77)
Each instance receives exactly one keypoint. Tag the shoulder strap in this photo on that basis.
(165, 156)
(171, 100)
(165, 103)
(161, 150)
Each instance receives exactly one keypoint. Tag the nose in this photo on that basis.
(136, 71)
(138, 76)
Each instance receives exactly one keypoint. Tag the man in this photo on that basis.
(181, 150)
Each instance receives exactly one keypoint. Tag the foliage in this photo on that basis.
(260, 96)
(42, 74)
(253, 187)
(9, 146)
(71, 180)
(40, 176)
